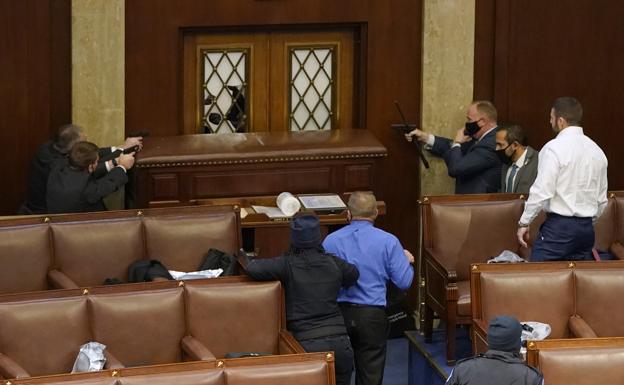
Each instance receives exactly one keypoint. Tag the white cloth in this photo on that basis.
(519, 163)
(571, 178)
(91, 358)
(182, 275)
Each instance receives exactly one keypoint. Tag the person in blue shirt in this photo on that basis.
(380, 258)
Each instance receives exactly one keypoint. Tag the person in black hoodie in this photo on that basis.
(312, 279)
(72, 186)
(502, 363)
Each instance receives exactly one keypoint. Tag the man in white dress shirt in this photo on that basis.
(571, 187)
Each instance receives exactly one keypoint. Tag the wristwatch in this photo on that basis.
(520, 224)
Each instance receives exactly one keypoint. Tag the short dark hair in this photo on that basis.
(83, 154)
(568, 108)
(66, 136)
(514, 133)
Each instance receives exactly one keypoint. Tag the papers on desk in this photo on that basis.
(180, 275)
(271, 212)
(322, 202)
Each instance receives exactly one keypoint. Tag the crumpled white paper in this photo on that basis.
(180, 275)
(90, 358)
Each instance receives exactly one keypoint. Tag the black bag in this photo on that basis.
(399, 320)
(217, 259)
(146, 271)
(245, 354)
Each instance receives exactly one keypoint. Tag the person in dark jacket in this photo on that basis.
(72, 186)
(312, 279)
(502, 363)
(470, 157)
(54, 151)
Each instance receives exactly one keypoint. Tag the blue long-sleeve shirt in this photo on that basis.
(379, 257)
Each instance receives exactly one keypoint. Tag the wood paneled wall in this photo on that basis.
(389, 70)
(35, 86)
(529, 52)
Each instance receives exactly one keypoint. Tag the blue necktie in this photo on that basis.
(510, 178)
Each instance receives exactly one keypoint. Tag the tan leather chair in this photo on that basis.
(459, 231)
(40, 337)
(24, 258)
(584, 361)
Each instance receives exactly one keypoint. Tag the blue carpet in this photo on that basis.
(427, 361)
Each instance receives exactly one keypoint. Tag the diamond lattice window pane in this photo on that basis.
(224, 72)
(312, 88)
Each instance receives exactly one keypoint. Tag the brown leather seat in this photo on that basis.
(585, 361)
(142, 324)
(43, 337)
(577, 299)
(25, 258)
(82, 250)
(301, 373)
(457, 233)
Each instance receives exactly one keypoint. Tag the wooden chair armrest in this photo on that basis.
(447, 272)
(289, 344)
(617, 249)
(59, 280)
(10, 368)
(580, 328)
(193, 348)
(112, 362)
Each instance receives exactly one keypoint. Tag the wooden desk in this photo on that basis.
(271, 237)
(180, 170)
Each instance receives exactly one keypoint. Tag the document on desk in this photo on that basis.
(271, 212)
(322, 202)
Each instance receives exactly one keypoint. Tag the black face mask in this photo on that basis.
(472, 128)
(504, 158)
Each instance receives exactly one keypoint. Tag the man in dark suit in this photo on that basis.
(54, 151)
(519, 160)
(73, 187)
(470, 157)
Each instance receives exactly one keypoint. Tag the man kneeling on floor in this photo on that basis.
(502, 363)
(312, 279)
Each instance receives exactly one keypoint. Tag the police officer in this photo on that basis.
(502, 363)
(312, 279)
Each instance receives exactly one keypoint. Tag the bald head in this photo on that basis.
(363, 205)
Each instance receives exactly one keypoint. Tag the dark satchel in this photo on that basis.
(399, 319)
(217, 259)
(246, 354)
(147, 270)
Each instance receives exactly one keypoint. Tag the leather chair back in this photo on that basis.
(461, 233)
(24, 258)
(544, 296)
(153, 325)
(88, 252)
(598, 300)
(194, 377)
(180, 241)
(254, 326)
(44, 335)
(605, 227)
(586, 366)
(305, 373)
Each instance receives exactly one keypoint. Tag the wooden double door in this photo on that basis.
(268, 81)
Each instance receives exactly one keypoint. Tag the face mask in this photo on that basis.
(472, 128)
(504, 158)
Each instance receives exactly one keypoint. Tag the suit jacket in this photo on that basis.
(526, 174)
(73, 191)
(45, 158)
(474, 164)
